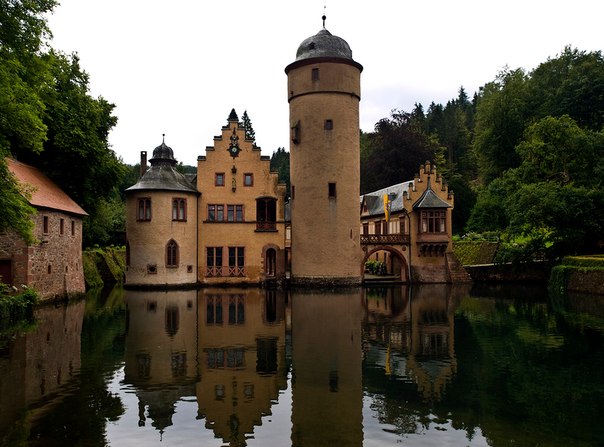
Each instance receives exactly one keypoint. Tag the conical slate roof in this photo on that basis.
(162, 175)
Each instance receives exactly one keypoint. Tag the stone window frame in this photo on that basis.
(45, 225)
(235, 213)
(219, 179)
(179, 209)
(143, 209)
(248, 179)
(172, 254)
(433, 221)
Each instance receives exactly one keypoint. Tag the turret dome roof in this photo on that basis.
(324, 44)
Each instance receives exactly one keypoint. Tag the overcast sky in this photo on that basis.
(178, 67)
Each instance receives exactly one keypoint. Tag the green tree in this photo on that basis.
(16, 211)
(558, 150)
(77, 133)
(250, 134)
(501, 116)
(23, 75)
(280, 164)
(570, 84)
(397, 149)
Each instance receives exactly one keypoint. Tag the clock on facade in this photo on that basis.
(234, 148)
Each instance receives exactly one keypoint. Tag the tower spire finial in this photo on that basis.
(324, 10)
(163, 137)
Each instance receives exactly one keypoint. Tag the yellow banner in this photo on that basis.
(387, 207)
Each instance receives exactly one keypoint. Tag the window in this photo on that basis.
(214, 310)
(235, 213)
(214, 261)
(266, 214)
(219, 179)
(384, 227)
(73, 227)
(179, 209)
(270, 262)
(295, 132)
(365, 228)
(248, 179)
(328, 125)
(236, 310)
(236, 261)
(62, 227)
(433, 222)
(331, 190)
(216, 213)
(144, 209)
(293, 192)
(45, 229)
(172, 254)
(172, 320)
(314, 74)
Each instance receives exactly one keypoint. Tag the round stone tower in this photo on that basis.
(161, 224)
(324, 90)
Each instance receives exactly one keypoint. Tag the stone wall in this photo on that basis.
(52, 265)
(534, 271)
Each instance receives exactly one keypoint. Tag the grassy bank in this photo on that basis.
(104, 266)
(16, 309)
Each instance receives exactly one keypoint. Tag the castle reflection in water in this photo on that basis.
(233, 349)
(234, 352)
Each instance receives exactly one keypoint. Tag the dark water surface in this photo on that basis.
(421, 366)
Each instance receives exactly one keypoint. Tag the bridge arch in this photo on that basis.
(399, 266)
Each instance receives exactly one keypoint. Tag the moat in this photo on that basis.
(422, 366)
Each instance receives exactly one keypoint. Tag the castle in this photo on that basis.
(230, 224)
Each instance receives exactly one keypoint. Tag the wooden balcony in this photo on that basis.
(384, 239)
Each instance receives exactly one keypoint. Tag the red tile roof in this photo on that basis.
(45, 192)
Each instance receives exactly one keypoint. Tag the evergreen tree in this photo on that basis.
(280, 164)
(249, 129)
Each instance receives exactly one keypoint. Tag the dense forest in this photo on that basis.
(524, 154)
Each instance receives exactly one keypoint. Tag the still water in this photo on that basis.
(421, 366)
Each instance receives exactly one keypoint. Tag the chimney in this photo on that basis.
(143, 162)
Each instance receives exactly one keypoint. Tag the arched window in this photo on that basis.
(172, 320)
(172, 254)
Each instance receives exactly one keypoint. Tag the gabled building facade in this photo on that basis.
(241, 211)
(407, 228)
(53, 264)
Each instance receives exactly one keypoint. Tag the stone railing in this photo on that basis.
(384, 239)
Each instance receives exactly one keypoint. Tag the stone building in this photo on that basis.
(241, 225)
(324, 90)
(408, 228)
(161, 224)
(228, 228)
(53, 264)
